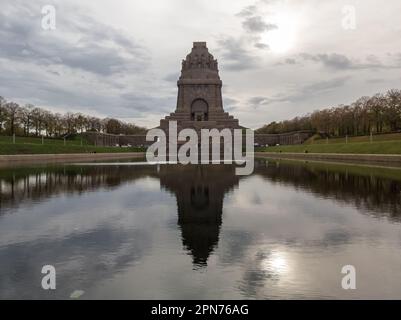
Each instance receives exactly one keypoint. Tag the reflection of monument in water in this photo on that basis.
(199, 190)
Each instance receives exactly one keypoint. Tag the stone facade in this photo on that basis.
(199, 101)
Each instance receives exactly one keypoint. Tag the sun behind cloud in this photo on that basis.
(282, 39)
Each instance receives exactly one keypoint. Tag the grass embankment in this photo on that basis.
(31, 145)
(383, 144)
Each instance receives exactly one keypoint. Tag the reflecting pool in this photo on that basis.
(138, 231)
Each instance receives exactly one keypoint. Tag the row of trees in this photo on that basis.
(30, 120)
(380, 113)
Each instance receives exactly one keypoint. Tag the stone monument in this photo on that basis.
(199, 106)
(199, 102)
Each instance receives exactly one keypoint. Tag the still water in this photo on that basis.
(200, 232)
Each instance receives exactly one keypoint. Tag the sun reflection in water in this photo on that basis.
(277, 262)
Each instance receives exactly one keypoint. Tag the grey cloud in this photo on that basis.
(338, 61)
(334, 60)
(248, 11)
(325, 85)
(314, 89)
(49, 92)
(146, 104)
(304, 93)
(255, 8)
(234, 54)
(375, 80)
(172, 77)
(96, 48)
(290, 61)
(254, 25)
(373, 59)
(261, 45)
(230, 101)
(257, 24)
(237, 50)
(256, 101)
(230, 104)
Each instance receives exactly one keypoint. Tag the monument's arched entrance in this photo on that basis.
(199, 110)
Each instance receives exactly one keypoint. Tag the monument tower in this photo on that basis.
(199, 101)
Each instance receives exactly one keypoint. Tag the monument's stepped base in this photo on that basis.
(101, 139)
(197, 126)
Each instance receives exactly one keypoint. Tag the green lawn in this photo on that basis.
(32, 145)
(382, 147)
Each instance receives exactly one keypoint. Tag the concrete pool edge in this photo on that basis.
(6, 160)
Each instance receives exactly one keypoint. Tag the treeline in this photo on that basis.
(380, 113)
(29, 120)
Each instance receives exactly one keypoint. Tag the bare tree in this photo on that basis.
(38, 121)
(24, 120)
(3, 113)
(381, 113)
(26, 117)
(12, 110)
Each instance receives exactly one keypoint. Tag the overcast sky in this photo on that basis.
(278, 58)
